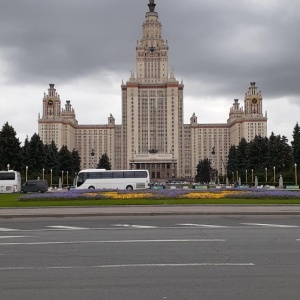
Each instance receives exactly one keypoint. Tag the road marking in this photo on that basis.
(133, 266)
(67, 227)
(271, 225)
(122, 241)
(15, 236)
(8, 229)
(134, 226)
(203, 225)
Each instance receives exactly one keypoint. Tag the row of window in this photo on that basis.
(115, 174)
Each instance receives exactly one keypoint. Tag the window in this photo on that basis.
(7, 176)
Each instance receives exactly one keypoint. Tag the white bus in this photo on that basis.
(113, 179)
(10, 182)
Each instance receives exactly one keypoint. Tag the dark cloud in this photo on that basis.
(216, 46)
(221, 41)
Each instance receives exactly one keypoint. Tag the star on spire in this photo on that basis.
(151, 5)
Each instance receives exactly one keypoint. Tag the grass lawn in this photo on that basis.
(12, 200)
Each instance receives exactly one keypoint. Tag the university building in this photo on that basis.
(153, 135)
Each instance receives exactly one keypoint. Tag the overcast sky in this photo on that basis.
(86, 48)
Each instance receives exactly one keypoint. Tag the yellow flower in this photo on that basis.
(116, 195)
(211, 195)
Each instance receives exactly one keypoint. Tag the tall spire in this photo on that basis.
(151, 5)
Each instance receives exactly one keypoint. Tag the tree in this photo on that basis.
(242, 158)
(64, 159)
(279, 153)
(259, 153)
(285, 158)
(10, 149)
(36, 156)
(104, 162)
(51, 158)
(296, 144)
(204, 170)
(75, 161)
(231, 164)
(25, 152)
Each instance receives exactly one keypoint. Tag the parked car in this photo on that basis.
(39, 186)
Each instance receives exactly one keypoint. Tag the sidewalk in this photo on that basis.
(150, 210)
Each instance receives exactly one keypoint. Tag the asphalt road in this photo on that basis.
(150, 257)
(132, 210)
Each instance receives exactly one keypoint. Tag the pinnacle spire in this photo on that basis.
(151, 5)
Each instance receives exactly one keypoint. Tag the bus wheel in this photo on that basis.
(91, 187)
(129, 187)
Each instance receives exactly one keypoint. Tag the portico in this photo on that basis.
(160, 166)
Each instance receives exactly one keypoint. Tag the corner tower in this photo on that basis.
(56, 124)
(249, 122)
(253, 101)
(152, 107)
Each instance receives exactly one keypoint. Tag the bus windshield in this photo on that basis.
(7, 175)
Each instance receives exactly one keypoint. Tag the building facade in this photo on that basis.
(153, 135)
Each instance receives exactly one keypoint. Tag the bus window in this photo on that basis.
(129, 174)
(140, 174)
(106, 175)
(93, 175)
(117, 174)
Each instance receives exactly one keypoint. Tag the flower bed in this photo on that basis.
(163, 194)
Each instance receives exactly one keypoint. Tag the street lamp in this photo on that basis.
(237, 177)
(214, 173)
(233, 177)
(8, 165)
(92, 153)
(43, 174)
(26, 173)
(252, 176)
(296, 179)
(51, 177)
(67, 178)
(266, 169)
(274, 168)
(246, 176)
(62, 179)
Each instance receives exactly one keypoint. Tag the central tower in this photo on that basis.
(152, 107)
(152, 51)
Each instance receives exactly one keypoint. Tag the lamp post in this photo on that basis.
(246, 176)
(266, 169)
(62, 179)
(213, 152)
(232, 177)
(67, 178)
(92, 154)
(237, 177)
(296, 179)
(274, 169)
(8, 165)
(252, 175)
(51, 177)
(26, 173)
(43, 174)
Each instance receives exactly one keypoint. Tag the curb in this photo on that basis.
(149, 211)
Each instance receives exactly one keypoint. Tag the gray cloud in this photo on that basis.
(216, 46)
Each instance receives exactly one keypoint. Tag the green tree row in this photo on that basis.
(35, 159)
(265, 158)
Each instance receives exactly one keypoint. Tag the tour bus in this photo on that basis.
(113, 179)
(10, 181)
